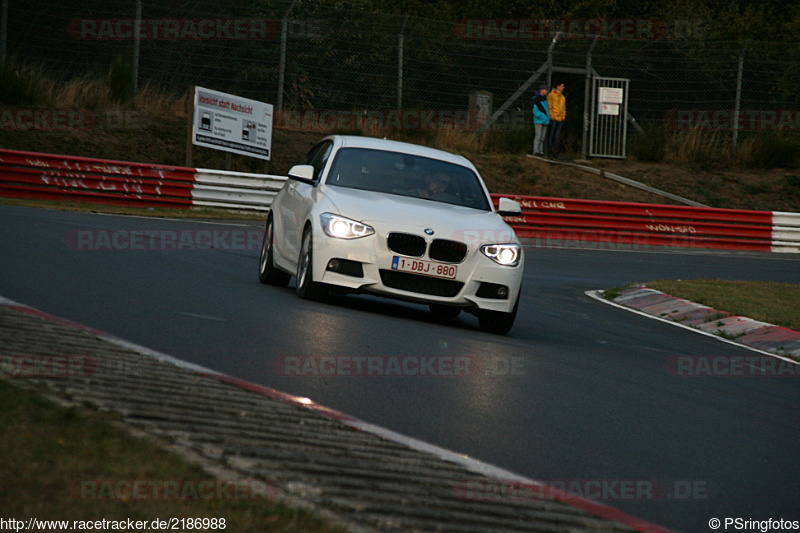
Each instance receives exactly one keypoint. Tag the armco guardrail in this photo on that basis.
(655, 224)
(59, 177)
(81, 179)
(235, 190)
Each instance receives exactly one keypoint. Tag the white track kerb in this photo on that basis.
(472, 465)
(598, 295)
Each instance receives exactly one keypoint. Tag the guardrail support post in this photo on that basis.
(137, 39)
(737, 102)
(190, 126)
(282, 61)
(586, 95)
(400, 39)
(4, 32)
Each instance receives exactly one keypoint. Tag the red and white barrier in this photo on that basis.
(81, 179)
(655, 224)
(99, 181)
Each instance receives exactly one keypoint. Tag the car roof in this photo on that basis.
(357, 141)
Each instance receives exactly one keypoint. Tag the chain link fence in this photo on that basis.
(311, 59)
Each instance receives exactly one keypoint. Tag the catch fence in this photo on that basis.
(314, 59)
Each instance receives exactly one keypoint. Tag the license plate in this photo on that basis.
(426, 268)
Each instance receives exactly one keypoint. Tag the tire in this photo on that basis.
(498, 322)
(307, 288)
(267, 273)
(444, 311)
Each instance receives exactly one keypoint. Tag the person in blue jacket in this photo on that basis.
(541, 118)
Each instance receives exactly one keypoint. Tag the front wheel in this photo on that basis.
(307, 288)
(497, 321)
(267, 273)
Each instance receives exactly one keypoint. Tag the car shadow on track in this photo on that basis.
(388, 307)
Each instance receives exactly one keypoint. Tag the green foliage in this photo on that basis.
(777, 20)
(705, 158)
(612, 293)
(706, 151)
(19, 86)
(120, 80)
(650, 146)
(773, 151)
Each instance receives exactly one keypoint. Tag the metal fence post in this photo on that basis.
(524, 87)
(586, 95)
(550, 61)
(282, 61)
(400, 40)
(737, 102)
(3, 32)
(137, 38)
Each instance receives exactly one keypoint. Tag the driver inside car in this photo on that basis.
(435, 184)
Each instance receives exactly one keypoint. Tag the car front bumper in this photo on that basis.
(365, 265)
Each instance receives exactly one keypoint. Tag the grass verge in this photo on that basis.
(51, 454)
(771, 302)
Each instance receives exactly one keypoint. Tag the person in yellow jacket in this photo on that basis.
(558, 113)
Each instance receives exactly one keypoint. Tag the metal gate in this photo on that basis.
(609, 127)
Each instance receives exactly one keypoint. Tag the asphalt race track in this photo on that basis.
(579, 394)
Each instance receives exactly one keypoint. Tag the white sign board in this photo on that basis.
(611, 95)
(232, 123)
(608, 109)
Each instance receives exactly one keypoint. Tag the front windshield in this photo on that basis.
(407, 175)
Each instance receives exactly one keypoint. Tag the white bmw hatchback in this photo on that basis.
(397, 220)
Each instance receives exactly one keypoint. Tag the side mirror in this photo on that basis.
(302, 173)
(508, 208)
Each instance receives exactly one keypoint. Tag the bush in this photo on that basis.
(772, 151)
(650, 146)
(702, 150)
(120, 80)
(19, 86)
(708, 157)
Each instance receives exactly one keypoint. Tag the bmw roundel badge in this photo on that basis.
(428, 231)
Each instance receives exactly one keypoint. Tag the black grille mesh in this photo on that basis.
(447, 251)
(406, 244)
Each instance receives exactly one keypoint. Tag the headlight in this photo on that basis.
(503, 254)
(343, 228)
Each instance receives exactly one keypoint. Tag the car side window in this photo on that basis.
(318, 156)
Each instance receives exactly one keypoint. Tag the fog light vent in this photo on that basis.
(346, 267)
(493, 291)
